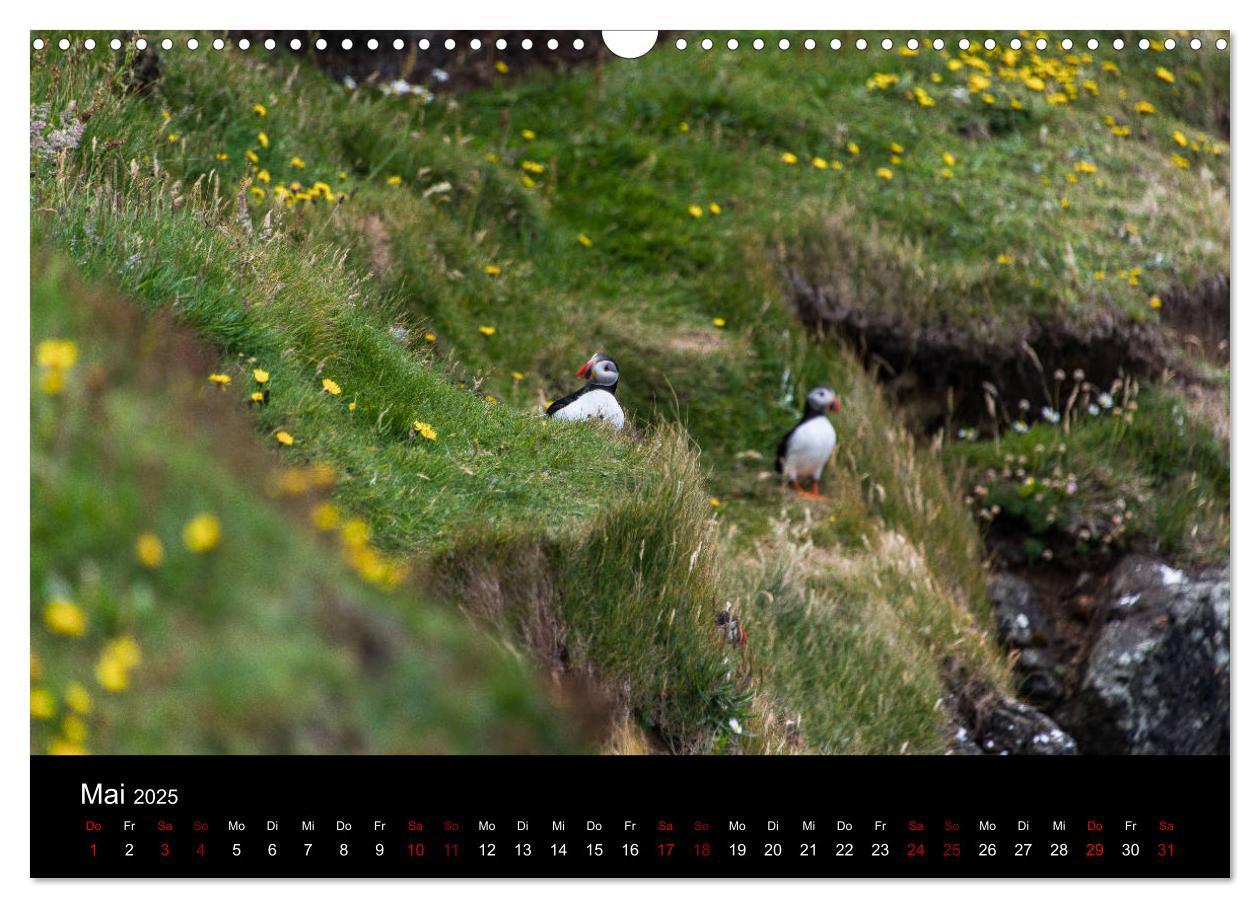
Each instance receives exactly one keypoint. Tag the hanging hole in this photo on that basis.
(90, 43)
(835, 43)
(399, 44)
(320, 44)
(784, 44)
(475, 44)
(578, 44)
(706, 44)
(681, 44)
(372, 44)
(1041, 44)
(963, 43)
(192, 44)
(886, 44)
(38, 44)
(989, 44)
(732, 44)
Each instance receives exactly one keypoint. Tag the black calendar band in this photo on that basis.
(480, 816)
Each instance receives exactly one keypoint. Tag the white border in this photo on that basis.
(813, 15)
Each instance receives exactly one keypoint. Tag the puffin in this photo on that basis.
(805, 450)
(597, 399)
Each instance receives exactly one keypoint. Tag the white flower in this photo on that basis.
(735, 726)
(441, 75)
(1093, 409)
(349, 83)
(1105, 401)
(1050, 415)
(1020, 426)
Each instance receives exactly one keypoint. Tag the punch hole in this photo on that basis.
(886, 44)
(475, 44)
(1066, 43)
(810, 43)
(706, 44)
(681, 44)
(191, 44)
(295, 44)
(835, 43)
(1092, 44)
(115, 44)
(90, 43)
(372, 44)
(38, 44)
(64, 44)
(552, 44)
(1221, 44)
(320, 44)
(1144, 44)
(167, 44)
(270, 44)
(784, 44)
(1041, 44)
(732, 44)
(1118, 44)
(1016, 44)
(141, 44)
(630, 44)
(963, 44)
(449, 44)
(758, 43)
(989, 44)
(861, 44)
(938, 44)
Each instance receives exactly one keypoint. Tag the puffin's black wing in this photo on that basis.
(567, 399)
(782, 454)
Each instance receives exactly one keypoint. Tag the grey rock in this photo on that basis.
(1040, 677)
(1007, 726)
(1021, 620)
(1156, 679)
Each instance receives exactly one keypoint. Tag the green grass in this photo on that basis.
(266, 642)
(1143, 473)
(600, 554)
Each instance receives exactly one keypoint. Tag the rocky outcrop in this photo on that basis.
(1156, 677)
(1024, 625)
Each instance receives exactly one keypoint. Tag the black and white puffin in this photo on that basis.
(805, 450)
(597, 399)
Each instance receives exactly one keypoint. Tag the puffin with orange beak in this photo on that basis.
(597, 399)
(805, 450)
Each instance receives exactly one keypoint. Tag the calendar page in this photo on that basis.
(659, 454)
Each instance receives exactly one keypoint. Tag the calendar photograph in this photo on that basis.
(763, 395)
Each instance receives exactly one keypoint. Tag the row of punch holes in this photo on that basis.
(680, 43)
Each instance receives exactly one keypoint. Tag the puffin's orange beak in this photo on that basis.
(835, 405)
(585, 370)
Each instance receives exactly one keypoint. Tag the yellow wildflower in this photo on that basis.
(284, 438)
(1144, 107)
(43, 703)
(1155, 302)
(492, 270)
(528, 135)
(1179, 137)
(262, 376)
(819, 163)
(264, 175)
(202, 533)
(73, 732)
(487, 330)
(948, 158)
(695, 211)
(297, 162)
(56, 353)
(60, 747)
(149, 550)
(683, 127)
(584, 240)
(78, 698)
(713, 502)
(1086, 167)
(64, 617)
(118, 658)
(884, 173)
(896, 148)
(260, 110)
(788, 158)
(853, 148)
(258, 397)
(430, 337)
(424, 430)
(1004, 259)
(1165, 75)
(518, 376)
(394, 180)
(325, 516)
(264, 141)
(719, 322)
(331, 387)
(251, 155)
(500, 67)
(221, 379)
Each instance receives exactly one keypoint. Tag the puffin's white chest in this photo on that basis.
(596, 404)
(809, 448)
